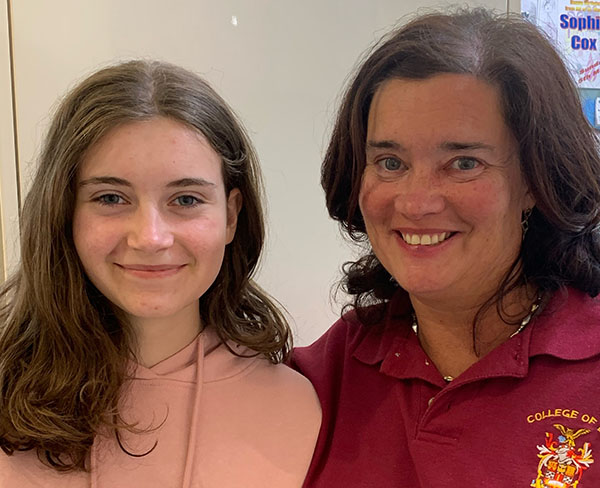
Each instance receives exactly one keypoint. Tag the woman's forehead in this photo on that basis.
(448, 110)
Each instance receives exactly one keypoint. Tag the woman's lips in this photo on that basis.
(414, 238)
(424, 239)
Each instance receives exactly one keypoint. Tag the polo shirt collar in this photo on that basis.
(568, 328)
(378, 340)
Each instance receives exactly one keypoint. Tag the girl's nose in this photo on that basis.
(149, 231)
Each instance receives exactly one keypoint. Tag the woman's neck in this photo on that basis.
(445, 328)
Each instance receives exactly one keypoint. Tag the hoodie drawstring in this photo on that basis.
(194, 427)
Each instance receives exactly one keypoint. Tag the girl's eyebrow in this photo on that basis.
(190, 182)
(113, 180)
(105, 180)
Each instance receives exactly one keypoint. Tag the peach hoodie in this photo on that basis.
(219, 422)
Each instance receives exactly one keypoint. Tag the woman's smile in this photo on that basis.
(421, 238)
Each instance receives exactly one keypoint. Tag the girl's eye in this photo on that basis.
(390, 164)
(465, 164)
(110, 199)
(187, 201)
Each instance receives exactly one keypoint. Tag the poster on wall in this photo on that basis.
(574, 27)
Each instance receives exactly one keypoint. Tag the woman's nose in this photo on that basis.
(149, 231)
(420, 194)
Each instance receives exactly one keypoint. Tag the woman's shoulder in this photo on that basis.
(342, 338)
(325, 360)
(352, 345)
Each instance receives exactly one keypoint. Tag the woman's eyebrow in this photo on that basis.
(462, 146)
(385, 144)
(446, 145)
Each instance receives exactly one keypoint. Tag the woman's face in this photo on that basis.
(152, 218)
(442, 191)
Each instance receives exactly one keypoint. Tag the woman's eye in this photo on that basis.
(187, 201)
(465, 164)
(110, 199)
(390, 164)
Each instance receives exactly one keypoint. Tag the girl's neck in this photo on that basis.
(158, 338)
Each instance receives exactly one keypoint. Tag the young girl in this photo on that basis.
(135, 349)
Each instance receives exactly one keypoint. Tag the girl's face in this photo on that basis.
(152, 218)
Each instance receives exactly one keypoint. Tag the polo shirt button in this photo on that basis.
(430, 401)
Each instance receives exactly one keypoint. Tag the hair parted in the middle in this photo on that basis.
(63, 346)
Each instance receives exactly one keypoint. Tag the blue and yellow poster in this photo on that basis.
(574, 28)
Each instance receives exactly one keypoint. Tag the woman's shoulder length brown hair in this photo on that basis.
(558, 149)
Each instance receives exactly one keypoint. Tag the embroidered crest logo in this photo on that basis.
(562, 463)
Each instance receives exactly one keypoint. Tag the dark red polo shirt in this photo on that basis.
(527, 414)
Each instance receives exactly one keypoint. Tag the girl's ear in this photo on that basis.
(234, 205)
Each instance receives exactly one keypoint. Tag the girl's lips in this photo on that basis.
(150, 271)
(149, 267)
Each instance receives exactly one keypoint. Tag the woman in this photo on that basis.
(462, 163)
(135, 349)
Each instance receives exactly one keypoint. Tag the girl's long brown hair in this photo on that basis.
(63, 347)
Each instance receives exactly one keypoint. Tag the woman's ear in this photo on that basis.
(234, 205)
(529, 200)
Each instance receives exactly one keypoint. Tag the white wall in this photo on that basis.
(281, 66)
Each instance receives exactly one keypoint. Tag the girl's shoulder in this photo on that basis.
(24, 470)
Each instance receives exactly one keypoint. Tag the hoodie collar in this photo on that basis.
(219, 362)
